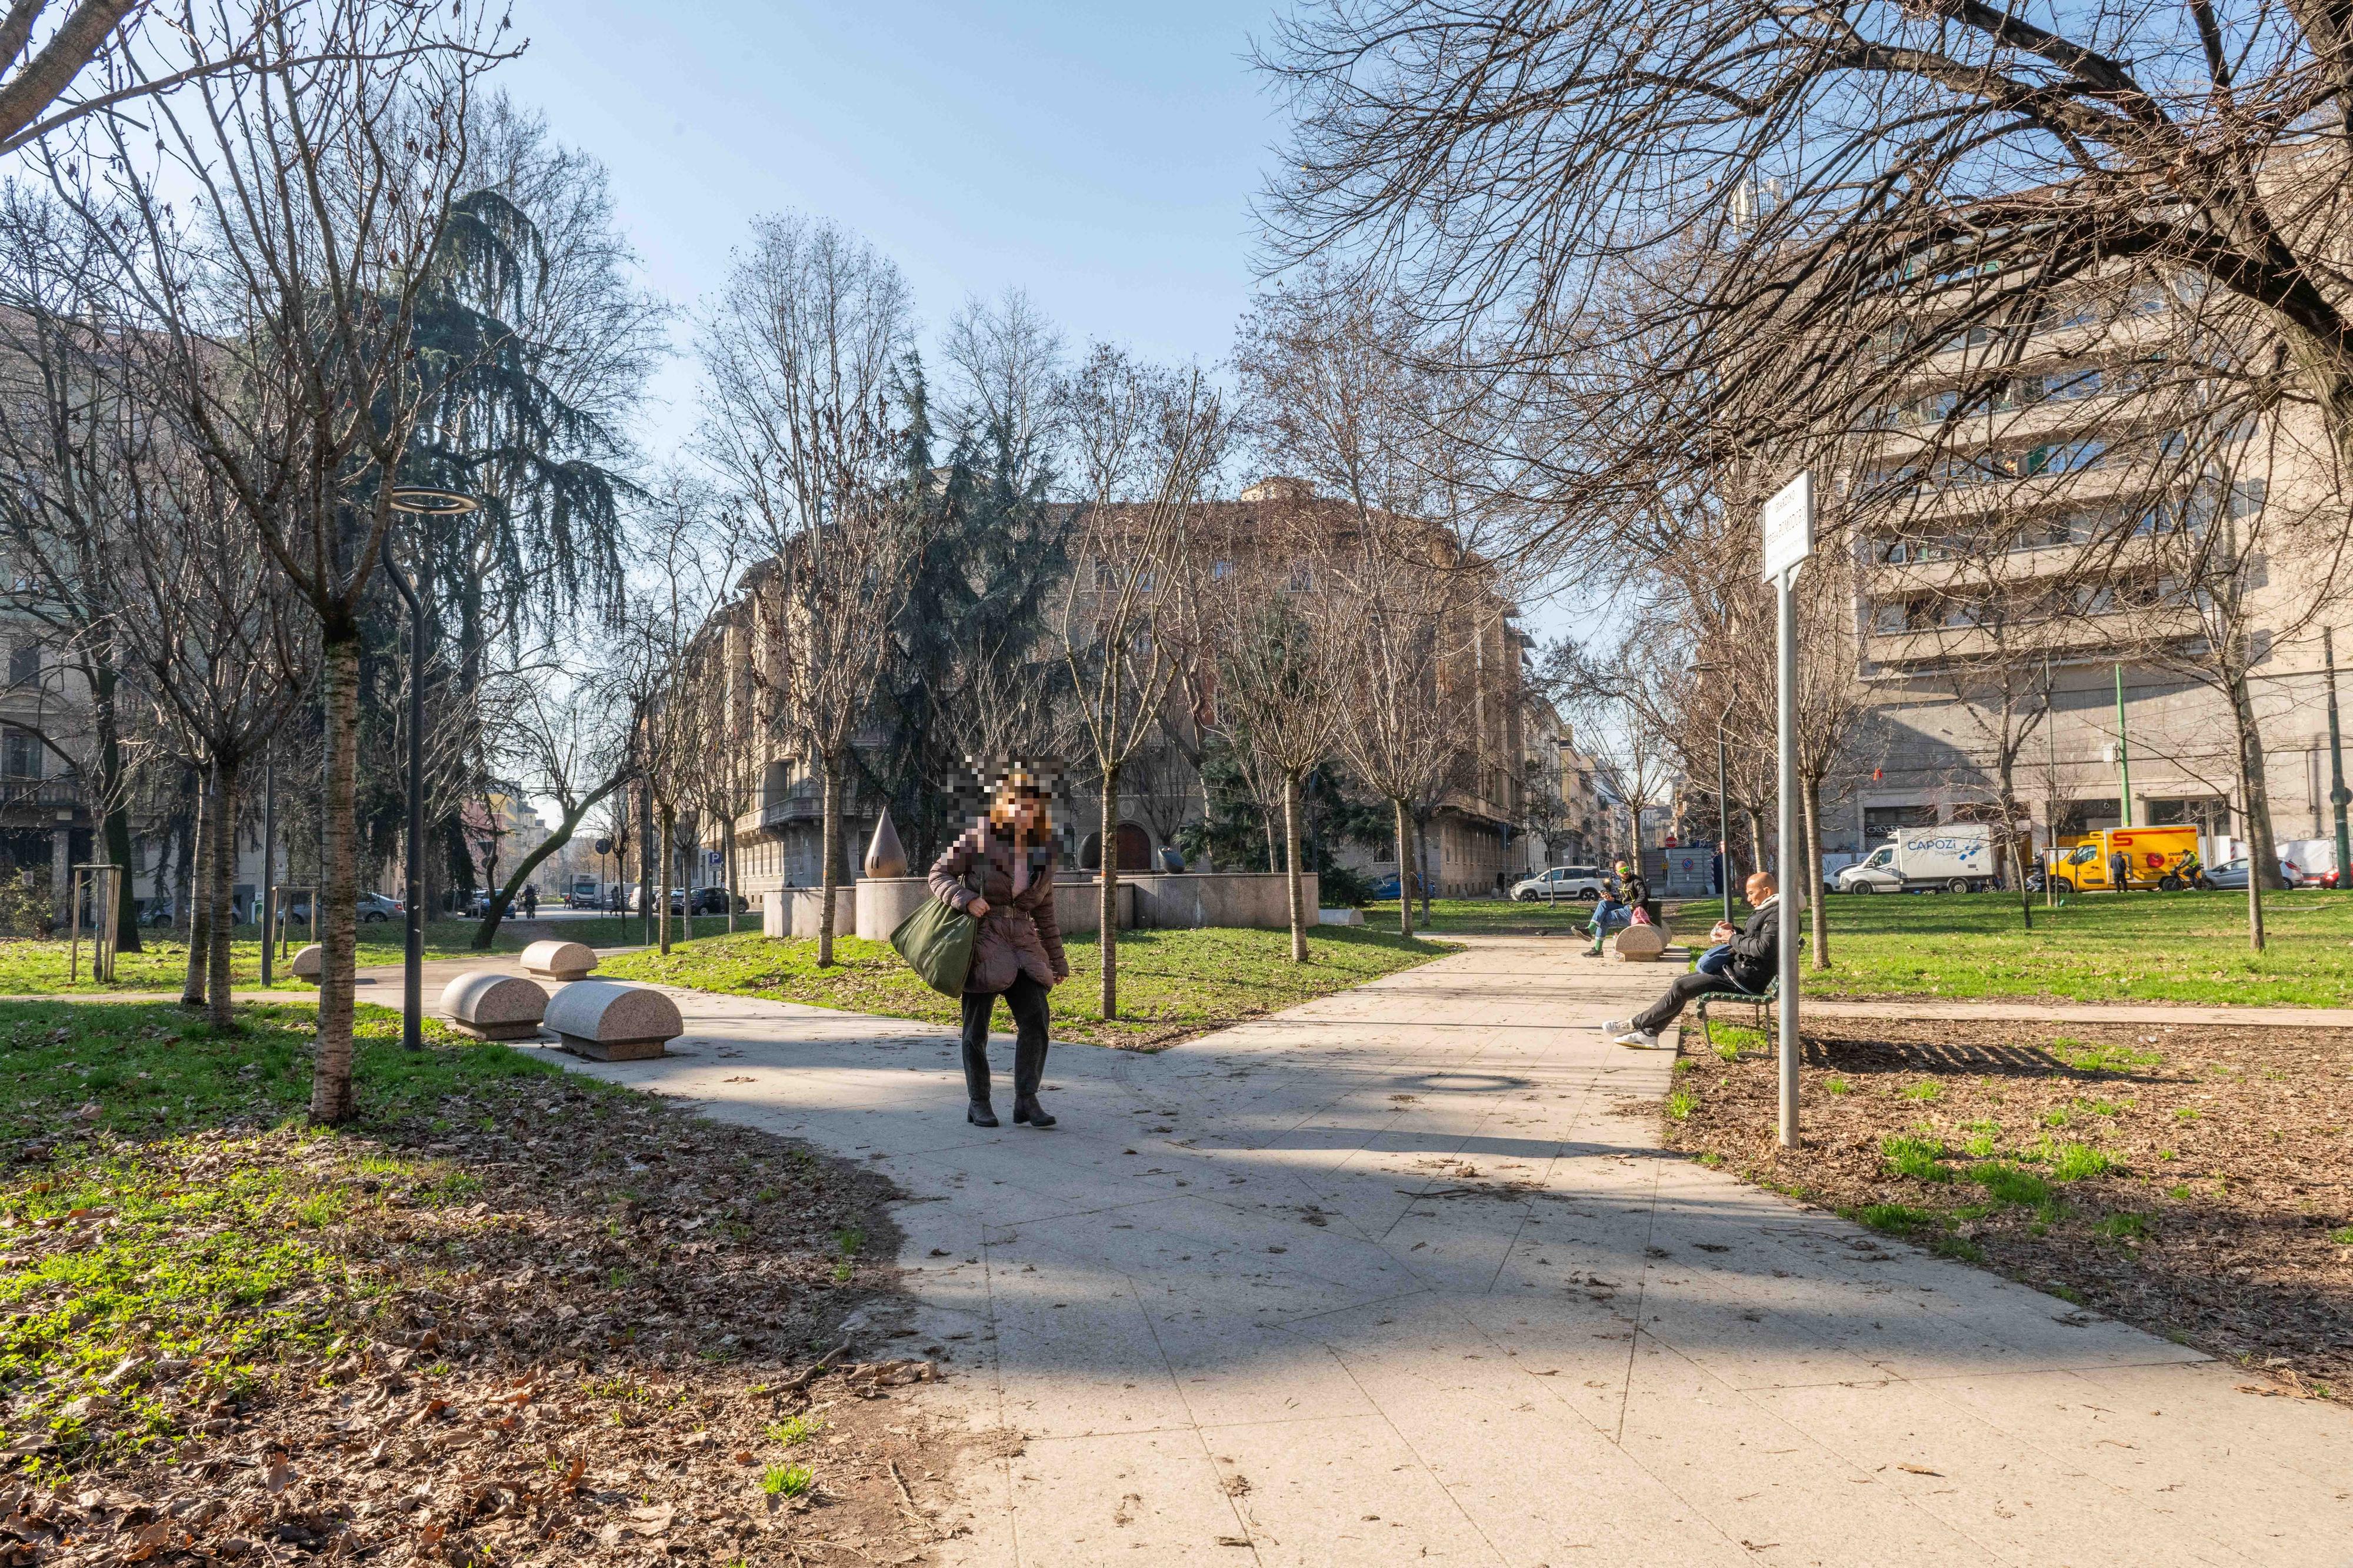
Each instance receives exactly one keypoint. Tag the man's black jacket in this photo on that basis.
(1757, 951)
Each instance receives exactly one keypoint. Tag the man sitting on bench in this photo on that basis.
(1743, 965)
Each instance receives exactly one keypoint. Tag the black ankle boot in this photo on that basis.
(980, 1113)
(1026, 1109)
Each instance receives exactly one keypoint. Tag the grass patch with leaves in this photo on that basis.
(1172, 984)
(500, 1288)
(2206, 1202)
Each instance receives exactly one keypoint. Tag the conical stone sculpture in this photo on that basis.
(886, 856)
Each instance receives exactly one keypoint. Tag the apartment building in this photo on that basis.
(1475, 826)
(2019, 592)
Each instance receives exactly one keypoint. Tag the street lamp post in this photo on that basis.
(417, 503)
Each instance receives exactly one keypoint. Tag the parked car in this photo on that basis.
(1387, 887)
(1560, 882)
(2232, 874)
(374, 909)
(713, 901)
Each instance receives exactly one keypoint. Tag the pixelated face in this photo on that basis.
(1015, 799)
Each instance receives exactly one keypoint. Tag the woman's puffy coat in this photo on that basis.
(1018, 935)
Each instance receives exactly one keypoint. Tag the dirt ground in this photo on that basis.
(623, 1342)
(2194, 1181)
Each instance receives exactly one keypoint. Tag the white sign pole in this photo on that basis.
(1788, 539)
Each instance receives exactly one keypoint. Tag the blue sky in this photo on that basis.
(1101, 156)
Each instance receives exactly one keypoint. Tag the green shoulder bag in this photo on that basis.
(936, 942)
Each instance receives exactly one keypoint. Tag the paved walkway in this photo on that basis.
(1401, 1277)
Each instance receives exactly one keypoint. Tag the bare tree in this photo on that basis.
(282, 315)
(805, 351)
(1602, 185)
(1146, 442)
(1279, 679)
(569, 741)
(1006, 361)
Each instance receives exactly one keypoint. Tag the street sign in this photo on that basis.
(717, 857)
(1789, 526)
(603, 846)
(1788, 539)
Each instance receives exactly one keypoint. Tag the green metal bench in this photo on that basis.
(1762, 1002)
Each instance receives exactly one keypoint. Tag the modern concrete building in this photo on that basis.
(2019, 595)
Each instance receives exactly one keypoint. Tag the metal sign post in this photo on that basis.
(1788, 539)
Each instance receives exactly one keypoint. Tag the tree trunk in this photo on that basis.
(2254, 796)
(1421, 865)
(338, 896)
(1809, 794)
(500, 905)
(829, 857)
(220, 834)
(1405, 866)
(670, 849)
(192, 991)
(115, 823)
(1107, 899)
(1292, 879)
(1755, 842)
(727, 848)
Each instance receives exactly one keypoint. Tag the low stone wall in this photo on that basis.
(1078, 903)
(798, 911)
(872, 907)
(1180, 901)
(884, 901)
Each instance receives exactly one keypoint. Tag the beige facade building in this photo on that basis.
(2042, 586)
(1475, 825)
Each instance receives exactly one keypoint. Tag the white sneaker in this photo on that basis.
(1616, 1026)
(1637, 1039)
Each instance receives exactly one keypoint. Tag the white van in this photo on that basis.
(1956, 858)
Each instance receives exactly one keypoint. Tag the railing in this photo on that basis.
(49, 795)
(803, 802)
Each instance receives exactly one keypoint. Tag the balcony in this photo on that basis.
(802, 803)
(20, 792)
(1936, 644)
(1892, 579)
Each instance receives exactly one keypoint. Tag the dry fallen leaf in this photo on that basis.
(1919, 1470)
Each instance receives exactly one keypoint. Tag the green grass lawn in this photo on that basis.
(36, 968)
(126, 1123)
(1485, 917)
(1172, 984)
(2186, 947)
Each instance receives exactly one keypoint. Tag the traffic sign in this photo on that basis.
(717, 857)
(1789, 526)
(603, 846)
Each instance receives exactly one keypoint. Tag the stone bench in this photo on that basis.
(494, 1006)
(308, 962)
(1641, 944)
(559, 960)
(607, 1022)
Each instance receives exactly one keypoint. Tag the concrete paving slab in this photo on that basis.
(1522, 1333)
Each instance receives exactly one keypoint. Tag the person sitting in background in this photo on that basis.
(1743, 963)
(1625, 893)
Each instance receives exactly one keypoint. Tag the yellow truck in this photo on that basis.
(2161, 857)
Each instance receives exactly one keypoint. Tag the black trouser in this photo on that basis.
(1025, 999)
(1666, 1009)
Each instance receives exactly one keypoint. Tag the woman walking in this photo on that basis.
(1018, 951)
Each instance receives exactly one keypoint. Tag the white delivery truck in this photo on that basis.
(1956, 858)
